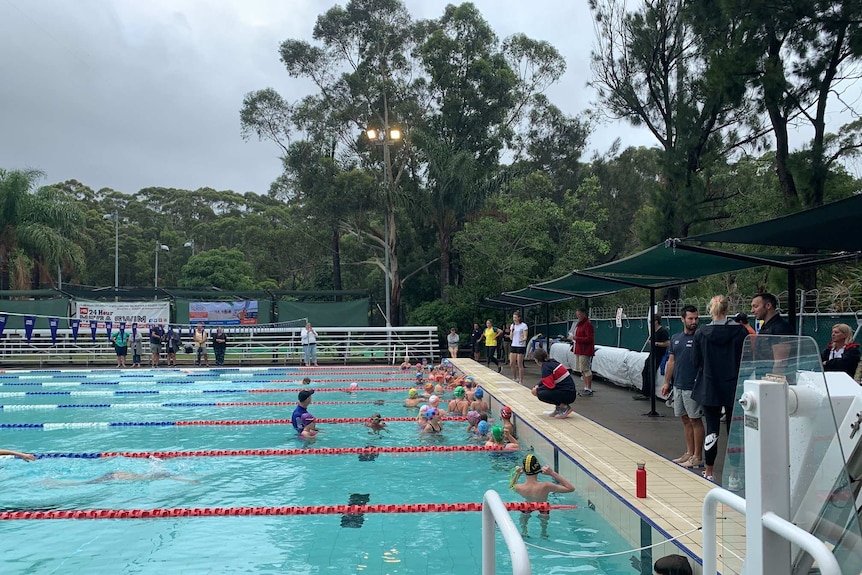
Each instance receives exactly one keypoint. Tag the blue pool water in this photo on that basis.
(373, 544)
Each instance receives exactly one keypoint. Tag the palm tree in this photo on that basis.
(39, 230)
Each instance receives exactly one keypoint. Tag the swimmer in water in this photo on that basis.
(478, 403)
(18, 454)
(309, 426)
(306, 381)
(501, 438)
(128, 476)
(534, 490)
(508, 426)
(413, 399)
(459, 405)
(434, 424)
(376, 424)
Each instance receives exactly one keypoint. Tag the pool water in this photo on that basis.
(375, 543)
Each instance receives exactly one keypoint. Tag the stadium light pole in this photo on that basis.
(386, 137)
(159, 247)
(116, 217)
(190, 244)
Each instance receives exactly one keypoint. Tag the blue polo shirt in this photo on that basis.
(296, 418)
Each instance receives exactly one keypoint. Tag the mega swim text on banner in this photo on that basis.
(146, 312)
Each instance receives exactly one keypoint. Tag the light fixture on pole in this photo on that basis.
(386, 137)
(116, 217)
(159, 247)
(190, 244)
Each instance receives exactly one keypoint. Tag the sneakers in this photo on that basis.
(734, 484)
(683, 458)
(499, 369)
(564, 413)
(707, 477)
(692, 463)
(556, 412)
(585, 392)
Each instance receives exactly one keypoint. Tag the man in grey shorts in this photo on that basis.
(680, 374)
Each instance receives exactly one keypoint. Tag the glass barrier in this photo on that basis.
(825, 452)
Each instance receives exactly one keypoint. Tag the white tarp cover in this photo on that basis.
(615, 364)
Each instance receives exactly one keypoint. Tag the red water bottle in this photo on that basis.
(640, 480)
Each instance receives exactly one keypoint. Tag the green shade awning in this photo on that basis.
(831, 227)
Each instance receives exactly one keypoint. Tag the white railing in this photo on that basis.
(495, 514)
(245, 345)
(826, 561)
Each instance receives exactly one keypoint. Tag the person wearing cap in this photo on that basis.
(506, 416)
(482, 429)
(309, 426)
(502, 439)
(413, 399)
(537, 491)
(459, 405)
(301, 409)
(479, 404)
(434, 425)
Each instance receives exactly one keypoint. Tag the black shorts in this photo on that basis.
(122, 351)
(519, 350)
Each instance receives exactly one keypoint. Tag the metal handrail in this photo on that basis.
(494, 512)
(826, 561)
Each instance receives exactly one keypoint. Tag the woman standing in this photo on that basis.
(842, 353)
(491, 334)
(308, 338)
(136, 344)
(717, 352)
(219, 345)
(201, 339)
(121, 346)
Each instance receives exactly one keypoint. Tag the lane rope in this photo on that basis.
(525, 506)
(201, 422)
(272, 452)
(47, 406)
(167, 382)
(7, 394)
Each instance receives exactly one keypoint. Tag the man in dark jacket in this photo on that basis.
(717, 353)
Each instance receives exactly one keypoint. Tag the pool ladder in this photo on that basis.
(495, 514)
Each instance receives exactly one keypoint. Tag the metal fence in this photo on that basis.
(255, 345)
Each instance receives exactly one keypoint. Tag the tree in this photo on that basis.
(40, 230)
(221, 268)
(650, 69)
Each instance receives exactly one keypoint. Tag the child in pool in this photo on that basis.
(434, 425)
(413, 399)
(508, 426)
(501, 438)
(534, 490)
(481, 431)
(472, 421)
(306, 381)
(309, 426)
(18, 454)
(459, 405)
(478, 403)
(376, 424)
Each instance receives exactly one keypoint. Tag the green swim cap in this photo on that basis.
(459, 391)
(497, 433)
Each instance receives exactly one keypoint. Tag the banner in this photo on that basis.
(29, 324)
(108, 326)
(93, 327)
(3, 318)
(100, 312)
(75, 324)
(223, 312)
(53, 323)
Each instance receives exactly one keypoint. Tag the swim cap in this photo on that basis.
(478, 394)
(429, 386)
(424, 409)
(433, 401)
(532, 465)
(473, 416)
(459, 391)
(354, 385)
(506, 412)
(306, 418)
(497, 433)
(482, 428)
(432, 411)
(412, 394)
(418, 376)
(469, 378)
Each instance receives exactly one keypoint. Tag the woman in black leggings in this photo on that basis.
(717, 352)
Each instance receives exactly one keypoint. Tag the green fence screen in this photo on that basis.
(55, 307)
(327, 314)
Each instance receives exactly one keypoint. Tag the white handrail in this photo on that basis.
(826, 561)
(494, 512)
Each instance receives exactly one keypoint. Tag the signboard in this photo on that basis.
(101, 313)
(223, 312)
(619, 317)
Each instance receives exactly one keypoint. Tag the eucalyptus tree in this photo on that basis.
(40, 230)
(650, 68)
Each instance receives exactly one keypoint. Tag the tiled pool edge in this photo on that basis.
(602, 470)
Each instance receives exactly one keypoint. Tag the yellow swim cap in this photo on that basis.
(412, 394)
(532, 465)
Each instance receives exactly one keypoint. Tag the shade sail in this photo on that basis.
(831, 227)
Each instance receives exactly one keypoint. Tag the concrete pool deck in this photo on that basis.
(608, 435)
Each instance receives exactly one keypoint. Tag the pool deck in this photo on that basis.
(608, 434)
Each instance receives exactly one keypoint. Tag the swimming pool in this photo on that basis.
(429, 542)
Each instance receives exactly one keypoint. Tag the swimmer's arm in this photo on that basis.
(562, 485)
(18, 454)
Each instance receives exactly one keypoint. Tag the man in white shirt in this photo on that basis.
(518, 329)
(309, 345)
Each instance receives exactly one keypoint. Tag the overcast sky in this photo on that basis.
(130, 94)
